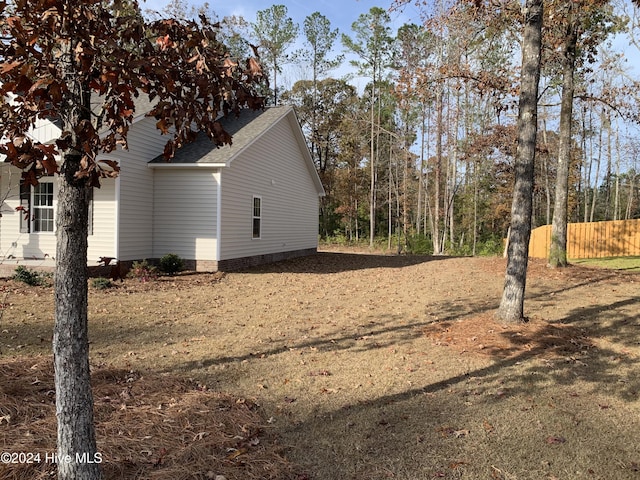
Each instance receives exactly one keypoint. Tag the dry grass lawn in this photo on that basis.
(343, 366)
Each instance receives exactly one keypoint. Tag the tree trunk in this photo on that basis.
(77, 457)
(437, 245)
(596, 180)
(512, 304)
(558, 249)
(372, 193)
(77, 452)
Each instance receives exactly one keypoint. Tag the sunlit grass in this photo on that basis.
(631, 264)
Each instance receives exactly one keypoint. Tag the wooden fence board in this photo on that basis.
(619, 238)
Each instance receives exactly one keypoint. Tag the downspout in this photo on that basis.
(116, 240)
(218, 177)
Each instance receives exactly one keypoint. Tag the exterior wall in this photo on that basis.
(271, 168)
(185, 213)
(135, 204)
(45, 131)
(43, 245)
(14, 244)
(102, 240)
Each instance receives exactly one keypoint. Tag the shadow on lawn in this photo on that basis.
(552, 380)
(379, 335)
(334, 262)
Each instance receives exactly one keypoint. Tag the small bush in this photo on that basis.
(171, 264)
(490, 247)
(143, 271)
(419, 244)
(101, 283)
(28, 276)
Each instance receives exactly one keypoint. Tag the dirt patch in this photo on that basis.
(373, 366)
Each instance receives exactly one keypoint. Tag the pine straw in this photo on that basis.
(481, 335)
(151, 428)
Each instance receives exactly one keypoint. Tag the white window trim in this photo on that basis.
(254, 217)
(32, 214)
(30, 207)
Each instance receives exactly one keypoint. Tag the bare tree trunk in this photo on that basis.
(512, 304)
(558, 248)
(420, 173)
(630, 196)
(437, 245)
(74, 400)
(607, 204)
(389, 201)
(372, 193)
(405, 194)
(475, 205)
(594, 197)
(616, 200)
(545, 171)
(587, 168)
(77, 451)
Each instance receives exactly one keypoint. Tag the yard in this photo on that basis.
(342, 366)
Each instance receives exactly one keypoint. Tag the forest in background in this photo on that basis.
(422, 158)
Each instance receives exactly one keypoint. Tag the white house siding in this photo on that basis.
(43, 245)
(135, 205)
(45, 131)
(102, 240)
(185, 213)
(14, 244)
(272, 168)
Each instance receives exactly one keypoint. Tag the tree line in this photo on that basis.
(423, 158)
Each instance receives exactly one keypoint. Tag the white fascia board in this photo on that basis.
(187, 165)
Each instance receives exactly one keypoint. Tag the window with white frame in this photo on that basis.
(257, 217)
(37, 207)
(42, 206)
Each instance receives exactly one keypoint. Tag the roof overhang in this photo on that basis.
(173, 166)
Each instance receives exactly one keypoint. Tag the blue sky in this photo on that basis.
(341, 14)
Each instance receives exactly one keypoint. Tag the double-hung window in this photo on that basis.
(36, 207)
(37, 203)
(42, 206)
(257, 217)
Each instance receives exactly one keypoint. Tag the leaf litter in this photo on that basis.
(412, 337)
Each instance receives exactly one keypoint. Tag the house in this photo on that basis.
(253, 202)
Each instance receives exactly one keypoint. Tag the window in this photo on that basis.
(43, 217)
(37, 207)
(257, 217)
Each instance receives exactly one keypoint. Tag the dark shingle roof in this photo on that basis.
(244, 129)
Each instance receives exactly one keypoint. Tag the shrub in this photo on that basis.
(171, 264)
(28, 276)
(143, 271)
(490, 247)
(101, 283)
(419, 245)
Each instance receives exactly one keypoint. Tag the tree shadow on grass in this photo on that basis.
(574, 381)
(334, 262)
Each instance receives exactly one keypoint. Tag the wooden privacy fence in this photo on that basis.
(619, 238)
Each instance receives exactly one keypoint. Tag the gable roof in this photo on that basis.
(245, 129)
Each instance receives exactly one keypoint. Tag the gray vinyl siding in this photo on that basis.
(136, 191)
(185, 213)
(274, 169)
